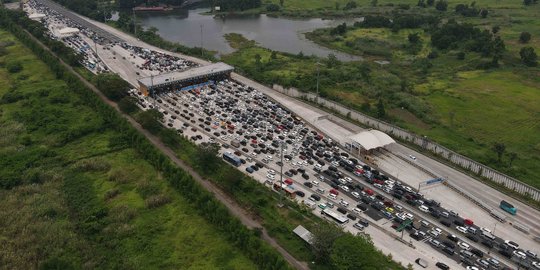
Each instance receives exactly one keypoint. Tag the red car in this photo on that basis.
(288, 181)
(468, 222)
(369, 192)
(335, 192)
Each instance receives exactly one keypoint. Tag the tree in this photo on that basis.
(350, 252)
(414, 38)
(441, 5)
(127, 105)
(112, 86)
(281, 2)
(511, 157)
(374, 3)
(324, 235)
(528, 56)
(499, 149)
(272, 7)
(495, 29)
(338, 6)
(350, 5)
(273, 55)
(421, 3)
(207, 157)
(149, 120)
(331, 61)
(381, 112)
(430, 2)
(257, 59)
(484, 13)
(524, 37)
(460, 56)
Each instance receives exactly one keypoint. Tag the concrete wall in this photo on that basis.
(394, 131)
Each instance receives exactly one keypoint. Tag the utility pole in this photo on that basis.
(153, 90)
(202, 50)
(134, 23)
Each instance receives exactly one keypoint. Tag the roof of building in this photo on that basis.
(36, 16)
(68, 30)
(303, 233)
(178, 76)
(372, 139)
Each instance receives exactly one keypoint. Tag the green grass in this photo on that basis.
(40, 215)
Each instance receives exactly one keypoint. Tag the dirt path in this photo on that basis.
(233, 207)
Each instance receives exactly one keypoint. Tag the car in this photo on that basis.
(442, 266)
(494, 262)
(531, 254)
(485, 230)
(332, 196)
(308, 184)
(452, 237)
(461, 229)
(488, 243)
(472, 267)
(520, 254)
(422, 262)
(482, 262)
(344, 203)
(358, 226)
(423, 208)
(536, 265)
(315, 183)
(445, 222)
(464, 245)
(434, 243)
(322, 206)
(342, 210)
(357, 210)
(472, 237)
(249, 170)
(355, 194)
(449, 251)
(512, 244)
(315, 197)
(476, 252)
(271, 177)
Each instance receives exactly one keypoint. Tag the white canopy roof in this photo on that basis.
(372, 139)
(68, 30)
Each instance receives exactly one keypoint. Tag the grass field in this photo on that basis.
(446, 99)
(73, 196)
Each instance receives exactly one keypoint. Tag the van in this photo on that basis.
(466, 254)
(488, 236)
(424, 223)
(472, 230)
(320, 190)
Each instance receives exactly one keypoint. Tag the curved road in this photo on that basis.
(233, 207)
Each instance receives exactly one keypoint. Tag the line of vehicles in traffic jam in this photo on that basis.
(252, 127)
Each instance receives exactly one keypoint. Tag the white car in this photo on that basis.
(464, 245)
(357, 210)
(412, 157)
(355, 194)
(512, 244)
(315, 183)
(269, 176)
(423, 208)
(345, 188)
(272, 172)
(536, 265)
(344, 203)
(520, 254)
(348, 179)
(461, 229)
(332, 196)
(472, 268)
(485, 230)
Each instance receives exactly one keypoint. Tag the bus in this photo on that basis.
(339, 219)
(231, 158)
(506, 206)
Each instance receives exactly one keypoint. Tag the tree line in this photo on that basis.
(237, 5)
(203, 201)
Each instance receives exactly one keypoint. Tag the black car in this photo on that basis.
(487, 243)
(442, 266)
(445, 222)
(300, 193)
(448, 251)
(316, 197)
(308, 184)
(452, 237)
(342, 210)
(472, 237)
(477, 252)
(449, 244)
(351, 217)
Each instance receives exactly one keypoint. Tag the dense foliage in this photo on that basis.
(237, 5)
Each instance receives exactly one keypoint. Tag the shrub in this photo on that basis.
(14, 67)
(272, 8)
(111, 194)
(147, 188)
(157, 201)
(524, 37)
(93, 164)
(120, 176)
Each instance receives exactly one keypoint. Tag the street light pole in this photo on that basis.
(281, 176)
(202, 50)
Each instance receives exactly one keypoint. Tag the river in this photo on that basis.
(279, 34)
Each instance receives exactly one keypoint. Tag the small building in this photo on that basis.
(303, 233)
(36, 16)
(67, 32)
(367, 141)
(182, 80)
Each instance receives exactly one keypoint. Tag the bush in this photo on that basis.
(272, 8)
(460, 56)
(128, 105)
(93, 164)
(524, 37)
(120, 176)
(147, 188)
(14, 67)
(111, 194)
(157, 201)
